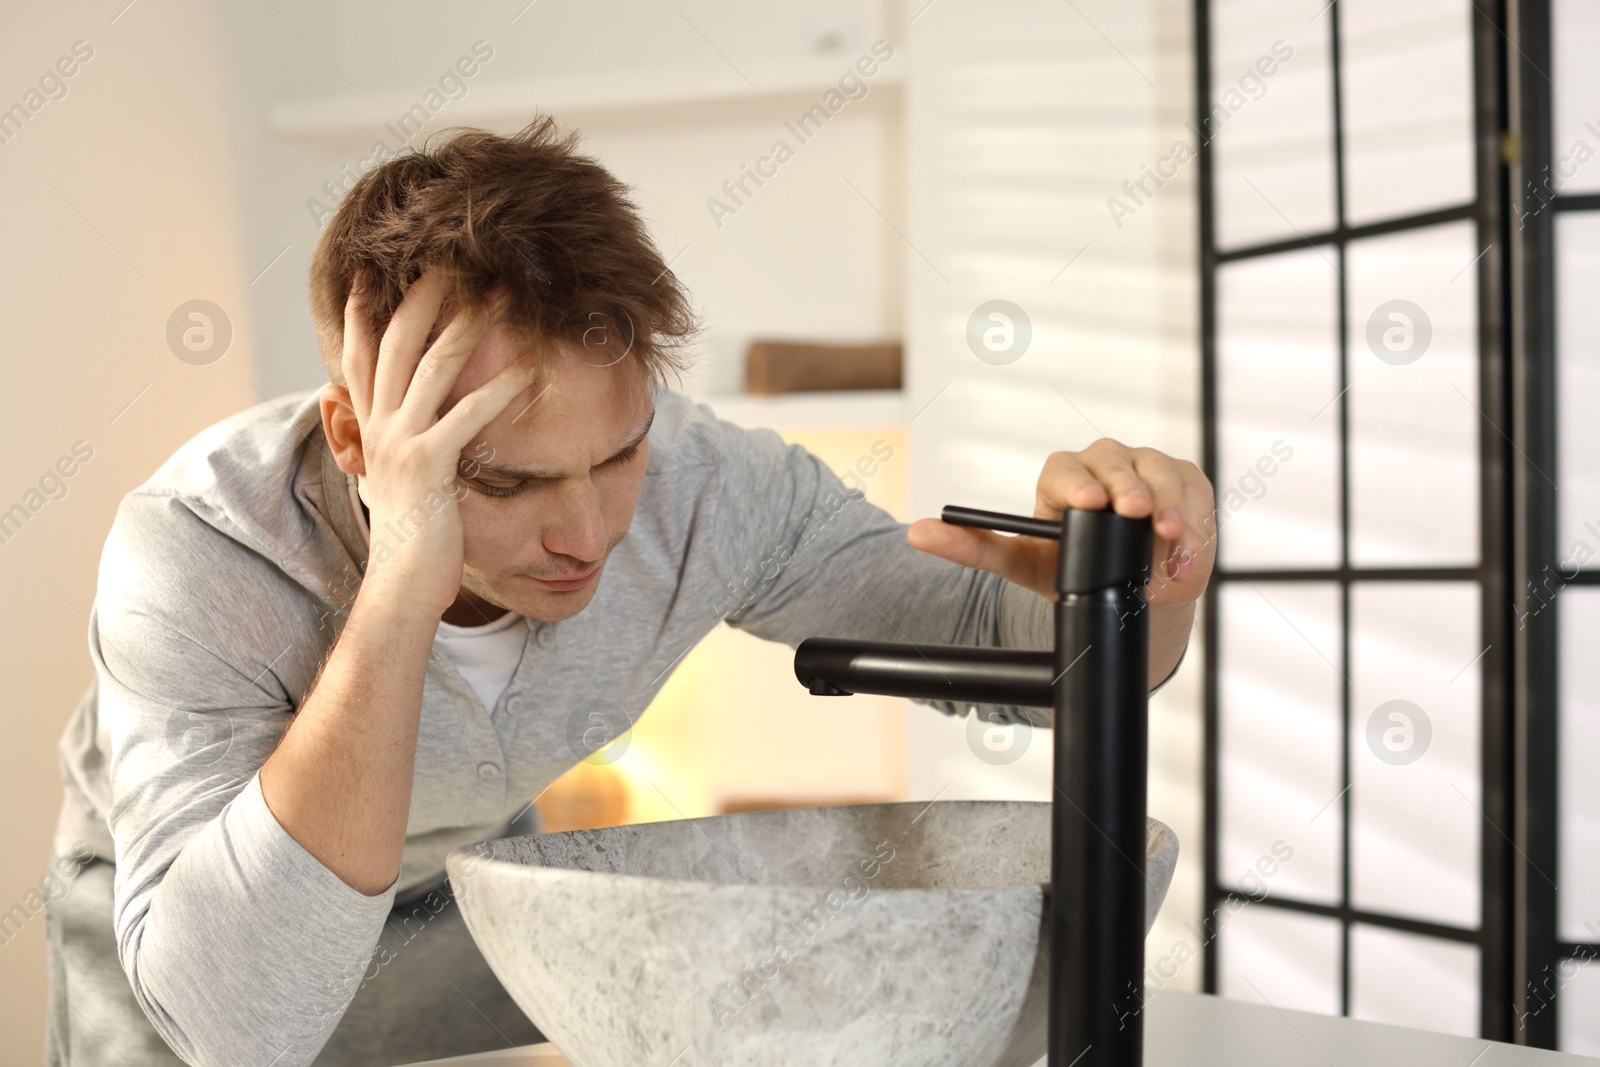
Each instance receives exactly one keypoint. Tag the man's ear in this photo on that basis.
(342, 429)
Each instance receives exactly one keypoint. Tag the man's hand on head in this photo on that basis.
(408, 444)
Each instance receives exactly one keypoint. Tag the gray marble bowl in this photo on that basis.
(870, 935)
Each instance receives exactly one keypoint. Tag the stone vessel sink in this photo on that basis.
(871, 935)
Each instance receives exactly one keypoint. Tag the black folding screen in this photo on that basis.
(1379, 333)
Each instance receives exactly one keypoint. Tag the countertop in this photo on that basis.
(1195, 1030)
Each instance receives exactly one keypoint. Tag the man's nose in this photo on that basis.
(578, 526)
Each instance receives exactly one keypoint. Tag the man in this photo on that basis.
(345, 631)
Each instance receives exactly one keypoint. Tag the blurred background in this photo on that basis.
(1337, 252)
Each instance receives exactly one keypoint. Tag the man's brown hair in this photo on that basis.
(526, 211)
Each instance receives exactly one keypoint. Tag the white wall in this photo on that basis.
(120, 204)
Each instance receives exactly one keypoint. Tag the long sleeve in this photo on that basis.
(241, 947)
(809, 556)
(812, 557)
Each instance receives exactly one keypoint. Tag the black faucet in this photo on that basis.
(1096, 681)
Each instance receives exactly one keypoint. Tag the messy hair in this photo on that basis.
(557, 229)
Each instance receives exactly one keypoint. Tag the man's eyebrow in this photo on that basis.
(524, 474)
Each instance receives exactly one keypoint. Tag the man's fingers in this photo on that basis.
(1198, 544)
(1066, 483)
(1113, 466)
(467, 418)
(1183, 556)
(441, 365)
(1165, 479)
(357, 359)
(1101, 474)
(404, 337)
(1135, 482)
(973, 547)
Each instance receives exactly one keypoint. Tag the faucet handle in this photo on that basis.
(956, 515)
(1101, 549)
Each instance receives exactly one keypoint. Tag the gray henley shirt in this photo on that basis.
(222, 585)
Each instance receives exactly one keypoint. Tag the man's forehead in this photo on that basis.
(562, 362)
(506, 451)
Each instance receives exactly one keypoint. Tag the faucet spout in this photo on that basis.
(837, 667)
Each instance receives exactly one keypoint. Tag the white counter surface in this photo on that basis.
(1193, 1030)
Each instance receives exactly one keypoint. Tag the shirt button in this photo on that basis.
(488, 771)
(513, 705)
(545, 637)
